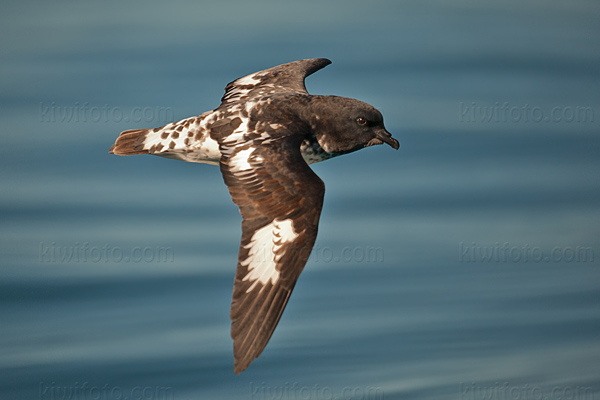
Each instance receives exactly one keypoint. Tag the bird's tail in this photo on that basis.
(186, 140)
(130, 142)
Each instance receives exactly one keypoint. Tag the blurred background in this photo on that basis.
(466, 265)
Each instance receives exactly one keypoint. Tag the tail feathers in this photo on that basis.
(187, 140)
(130, 142)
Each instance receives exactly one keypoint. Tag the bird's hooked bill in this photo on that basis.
(386, 137)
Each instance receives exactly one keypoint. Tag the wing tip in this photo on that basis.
(238, 367)
(296, 70)
(250, 339)
(321, 62)
(312, 65)
(307, 66)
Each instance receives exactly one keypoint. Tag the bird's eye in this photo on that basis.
(361, 121)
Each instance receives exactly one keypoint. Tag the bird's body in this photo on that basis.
(263, 136)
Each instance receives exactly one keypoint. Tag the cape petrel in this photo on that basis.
(263, 136)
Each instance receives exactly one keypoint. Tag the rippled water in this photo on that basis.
(465, 266)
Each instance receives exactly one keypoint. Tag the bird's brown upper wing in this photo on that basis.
(280, 199)
(285, 78)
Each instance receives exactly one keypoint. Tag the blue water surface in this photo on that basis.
(464, 266)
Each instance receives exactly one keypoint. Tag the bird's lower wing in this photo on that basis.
(280, 199)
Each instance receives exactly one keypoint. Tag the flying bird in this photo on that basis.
(263, 136)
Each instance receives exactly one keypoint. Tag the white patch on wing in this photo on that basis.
(262, 258)
(240, 161)
(247, 80)
(250, 105)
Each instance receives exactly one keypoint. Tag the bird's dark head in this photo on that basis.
(343, 125)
